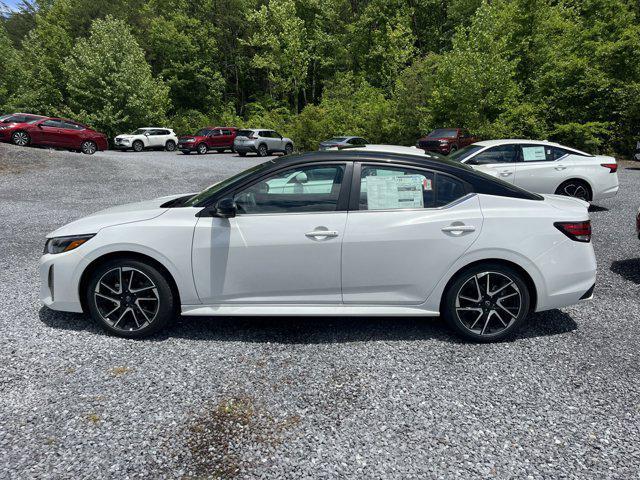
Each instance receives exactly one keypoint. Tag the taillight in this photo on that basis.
(613, 167)
(638, 223)
(578, 231)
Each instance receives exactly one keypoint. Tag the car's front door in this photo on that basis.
(499, 161)
(543, 168)
(47, 133)
(406, 227)
(284, 244)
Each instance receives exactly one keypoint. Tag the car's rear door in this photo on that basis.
(283, 246)
(543, 168)
(499, 161)
(157, 138)
(70, 135)
(406, 227)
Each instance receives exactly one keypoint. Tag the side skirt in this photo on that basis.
(307, 310)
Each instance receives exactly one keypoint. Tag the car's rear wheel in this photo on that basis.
(20, 138)
(88, 147)
(170, 146)
(288, 149)
(575, 188)
(138, 146)
(487, 302)
(262, 150)
(202, 149)
(130, 298)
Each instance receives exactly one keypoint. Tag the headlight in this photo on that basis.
(3, 128)
(190, 140)
(65, 244)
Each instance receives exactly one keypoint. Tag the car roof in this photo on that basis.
(393, 149)
(155, 128)
(508, 141)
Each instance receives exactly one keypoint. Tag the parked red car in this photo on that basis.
(446, 140)
(208, 138)
(26, 129)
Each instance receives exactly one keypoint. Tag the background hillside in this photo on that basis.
(389, 70)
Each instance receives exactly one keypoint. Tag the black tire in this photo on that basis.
(201, 149)
(482, 317)
(20, 138)
(262, 150)
(220, 150)
(575, 188)
(88, 147)
(242, 154)
(170, 146)
(288, 149)
(453, 149)
(120, 322)
(138, 146)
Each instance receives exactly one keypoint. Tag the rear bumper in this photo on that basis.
(245, 148)
(606, 193)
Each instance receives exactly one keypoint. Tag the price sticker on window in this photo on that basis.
(397, 191)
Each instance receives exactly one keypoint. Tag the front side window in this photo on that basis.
(497, 154)
(313, 188)
(203, 132)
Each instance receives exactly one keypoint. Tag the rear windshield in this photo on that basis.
(443, 133)
(463, 153)
(244, 133)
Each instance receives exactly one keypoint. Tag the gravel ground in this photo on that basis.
(299, 397)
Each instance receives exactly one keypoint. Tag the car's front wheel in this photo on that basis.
(130, 298)
(138, 146)
(20, 138)
(88, 147)
(487, 302)
(170, 146)
(202, 149)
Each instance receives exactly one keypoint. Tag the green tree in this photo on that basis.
(110, 84)
(10, 68)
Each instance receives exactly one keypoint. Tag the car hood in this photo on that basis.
(570, 205)
(128, 213)
(128, 136)
(187, 137)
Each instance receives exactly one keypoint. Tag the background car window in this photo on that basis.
(70, 126)
(52, 123)
(275, 134)
(245, 133)
(555, 153)
(497, 154)
(463, 153)
(448, 189)
(535, 153)
(263, 133)
(304, 189)
(385, 188)
(226, 132)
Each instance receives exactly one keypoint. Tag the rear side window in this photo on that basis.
(71, 126)
(448, 189)
(53, 123)
(264, 133)
(556, 153)
(226, 132)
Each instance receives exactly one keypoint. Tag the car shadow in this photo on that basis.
(628, 269)
(632, 168)
(314, 330)
(596, 208)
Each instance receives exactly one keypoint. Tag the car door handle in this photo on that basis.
(560, 167)
(321, 233)
(458, 229)
(505, 173)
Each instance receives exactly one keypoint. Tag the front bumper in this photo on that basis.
(444, 149)
(187, 147)
(59, 282)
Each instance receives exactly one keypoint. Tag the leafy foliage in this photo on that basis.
(389, 70)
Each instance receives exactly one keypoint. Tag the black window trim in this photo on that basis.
(354, 194)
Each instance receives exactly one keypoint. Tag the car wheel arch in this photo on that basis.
(124, 254)
(577, 179)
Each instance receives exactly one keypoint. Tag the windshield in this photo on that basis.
(19, 118)
(216, 187)
(443, 133)
(464, 153)
(140, 131)
(203, 132)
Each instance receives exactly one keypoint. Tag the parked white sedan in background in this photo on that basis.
(544, 167)
(328, 233)
(147, 137)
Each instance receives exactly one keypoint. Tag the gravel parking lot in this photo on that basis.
(298, 397)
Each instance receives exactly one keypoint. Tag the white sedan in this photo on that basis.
(147, 138)
(544, 167)
(328, 233)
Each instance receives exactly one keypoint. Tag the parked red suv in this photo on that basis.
(208, 138)
(26, 129)
(446, 140)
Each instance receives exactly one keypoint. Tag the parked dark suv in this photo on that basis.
(208, 138)
(446, 140)
(61, 133)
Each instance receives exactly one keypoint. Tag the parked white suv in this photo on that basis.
(147, 137)
(261, 141)
(544, 167)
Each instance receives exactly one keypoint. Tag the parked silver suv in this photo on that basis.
(262, 142)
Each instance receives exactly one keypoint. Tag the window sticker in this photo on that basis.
(533, 154)
(398, 191)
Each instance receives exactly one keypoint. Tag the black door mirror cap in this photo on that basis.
(225, 208)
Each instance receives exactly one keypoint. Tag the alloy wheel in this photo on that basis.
(126, 299)
(262, 151)
(202, 149)
(89, 148)
(576, 190)
(488, 303)
(20, 138)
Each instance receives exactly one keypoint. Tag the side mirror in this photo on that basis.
(146, 134)
(226, 208)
